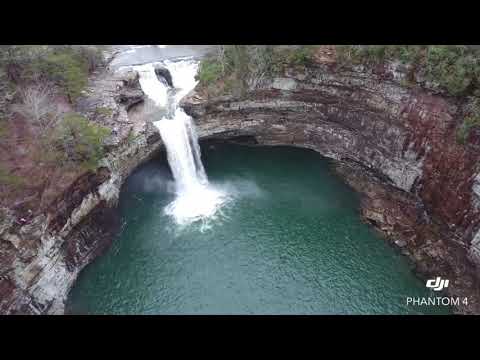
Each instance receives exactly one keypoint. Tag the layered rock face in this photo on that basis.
(394, 144)
(40, 257)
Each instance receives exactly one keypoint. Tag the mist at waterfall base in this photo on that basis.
(196, 199)
(290, 241)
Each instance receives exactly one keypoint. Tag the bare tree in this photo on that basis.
(38, 106)
(260, 64)
(220, 53)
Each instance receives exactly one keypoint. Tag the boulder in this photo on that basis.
(163, 73)
(129, 97)
(130, 78)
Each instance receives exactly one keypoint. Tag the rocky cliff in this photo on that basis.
(394, 144)
(42, 252)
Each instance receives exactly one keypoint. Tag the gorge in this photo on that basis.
(394, 145)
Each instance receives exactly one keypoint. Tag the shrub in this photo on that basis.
(296, 56)
(300, 56)
(67, 68)
(245, 64)
(228, 66)
(210, 71)
(92, 55)
(453, 67)
(374, 54)
(405, 53)
(233, 59)
(242, 65)
(17, 60)
(69, 65)
(79, 141)
(346, 54)
(356, 54)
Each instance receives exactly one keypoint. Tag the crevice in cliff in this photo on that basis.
(91, 236)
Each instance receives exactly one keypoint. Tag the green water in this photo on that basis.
(290, 242)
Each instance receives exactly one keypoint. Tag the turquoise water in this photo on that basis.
(289, 242)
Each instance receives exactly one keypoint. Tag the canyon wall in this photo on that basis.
(41, 255)
(394, 144)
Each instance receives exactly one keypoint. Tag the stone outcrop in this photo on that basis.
(394, 144)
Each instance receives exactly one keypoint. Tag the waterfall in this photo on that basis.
(183, 151)
(195, 197)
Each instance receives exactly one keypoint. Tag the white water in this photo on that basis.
(196, 199)
(154, 89)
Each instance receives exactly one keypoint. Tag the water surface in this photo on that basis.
(290, 241)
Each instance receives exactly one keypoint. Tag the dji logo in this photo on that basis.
(437, 284)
